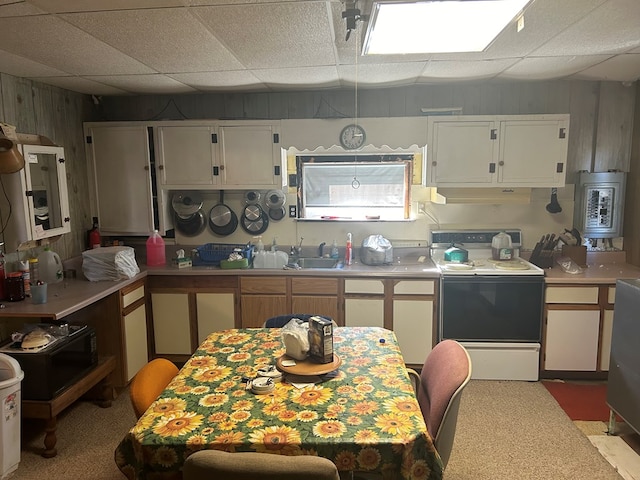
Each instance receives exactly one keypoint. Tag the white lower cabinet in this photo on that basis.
(216, 311)
(572, 340)
(135, 334)
(364, 303)
(363, 312)
(171, 332)
(413, 326)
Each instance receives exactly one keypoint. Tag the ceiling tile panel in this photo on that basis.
(622, 68)
(385, 74)
(81, 85)
(11, 8)
(61, 6)
(293, 78)
(282, 35)
(233, 80)
(174, 41)
(445, 70)
(612, 28)
(545, 68)
(23, 67)
(145, 84)
(63, 46)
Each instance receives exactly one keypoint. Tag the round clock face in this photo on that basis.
(352, 137)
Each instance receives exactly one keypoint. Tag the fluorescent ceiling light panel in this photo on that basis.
(437, 26)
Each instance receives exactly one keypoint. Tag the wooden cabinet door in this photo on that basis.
(120, 164)
(216, 311)
(318, 305)
(571, 341)
(135, 338)
(462, 153)
(413, 326)
(171, 326)
(250, 156)
(185, 156)
(533, 153)
(256, 309)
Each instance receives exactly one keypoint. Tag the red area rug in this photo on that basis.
(581, 401)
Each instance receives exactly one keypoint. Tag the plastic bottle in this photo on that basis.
(26, 276)
(259, 245)
(348, 253)
(335, 253)
(94, 235)
(34, 270)
(50, 266)
(155, 250)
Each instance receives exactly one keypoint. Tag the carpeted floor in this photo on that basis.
(506, 431)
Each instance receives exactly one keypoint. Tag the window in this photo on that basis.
(361, 187)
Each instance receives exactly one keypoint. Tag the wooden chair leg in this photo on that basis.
(50, 438)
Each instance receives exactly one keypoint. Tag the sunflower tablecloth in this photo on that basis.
(366, 418)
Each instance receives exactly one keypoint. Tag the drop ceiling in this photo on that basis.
(125, 47)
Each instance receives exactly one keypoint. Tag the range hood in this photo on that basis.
(495, 196)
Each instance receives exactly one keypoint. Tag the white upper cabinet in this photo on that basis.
(497, 151)
(218, 155)
(186, 155)
(250, 155)
(124, 196)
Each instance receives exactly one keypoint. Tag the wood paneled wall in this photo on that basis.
(602, 115)
(38, 109)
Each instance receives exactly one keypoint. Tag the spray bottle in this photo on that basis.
(348, 253)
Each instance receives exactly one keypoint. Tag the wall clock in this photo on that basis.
(352, 137)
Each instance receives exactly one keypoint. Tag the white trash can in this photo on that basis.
(10, 377)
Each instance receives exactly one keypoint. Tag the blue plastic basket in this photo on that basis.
(213, 253)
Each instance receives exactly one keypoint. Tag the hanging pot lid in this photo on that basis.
(277, 213)
(275, 199)
(186, 203)
(252, 197)
(254, 220)
(192, 225)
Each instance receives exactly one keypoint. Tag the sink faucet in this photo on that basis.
(321, 249)
(296, 250)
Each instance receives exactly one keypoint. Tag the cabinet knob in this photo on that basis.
(160, 167)
(146, 167)
(434, 163)
(501, 163)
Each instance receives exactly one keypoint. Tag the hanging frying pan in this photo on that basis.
(191, 225)
(254, 220)
(277, 214)
(222, 220)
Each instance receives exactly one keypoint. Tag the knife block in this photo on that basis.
(542, 260)
(577, 253)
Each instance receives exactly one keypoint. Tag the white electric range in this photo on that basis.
(494, 308)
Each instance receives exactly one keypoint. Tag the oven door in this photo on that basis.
(492, 308)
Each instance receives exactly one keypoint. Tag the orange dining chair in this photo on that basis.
(149, 382)
(445, 373)
(210, 464)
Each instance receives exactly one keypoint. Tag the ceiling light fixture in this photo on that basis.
(437, 26)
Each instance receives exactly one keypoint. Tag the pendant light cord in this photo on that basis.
(356, 183)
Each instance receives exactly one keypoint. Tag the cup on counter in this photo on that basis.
(39, 293)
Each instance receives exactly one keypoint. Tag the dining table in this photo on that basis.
(363, 416)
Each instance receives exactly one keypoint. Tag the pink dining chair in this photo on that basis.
(438, 387)
(210, 464)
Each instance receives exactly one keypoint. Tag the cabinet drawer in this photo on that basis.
(263, 285)
(129, 298)
(585, 295)
(309, 285)
(415, 287)
(364, 286)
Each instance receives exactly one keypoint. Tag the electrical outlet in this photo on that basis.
(292, 211)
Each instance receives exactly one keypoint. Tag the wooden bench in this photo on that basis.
(49, 409)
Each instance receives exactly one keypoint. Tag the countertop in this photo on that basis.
(65, 298)
(602, 268)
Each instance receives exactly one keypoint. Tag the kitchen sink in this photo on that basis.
(316, 262)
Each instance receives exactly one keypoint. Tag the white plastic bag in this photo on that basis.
(109, 263)
(295, 335)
